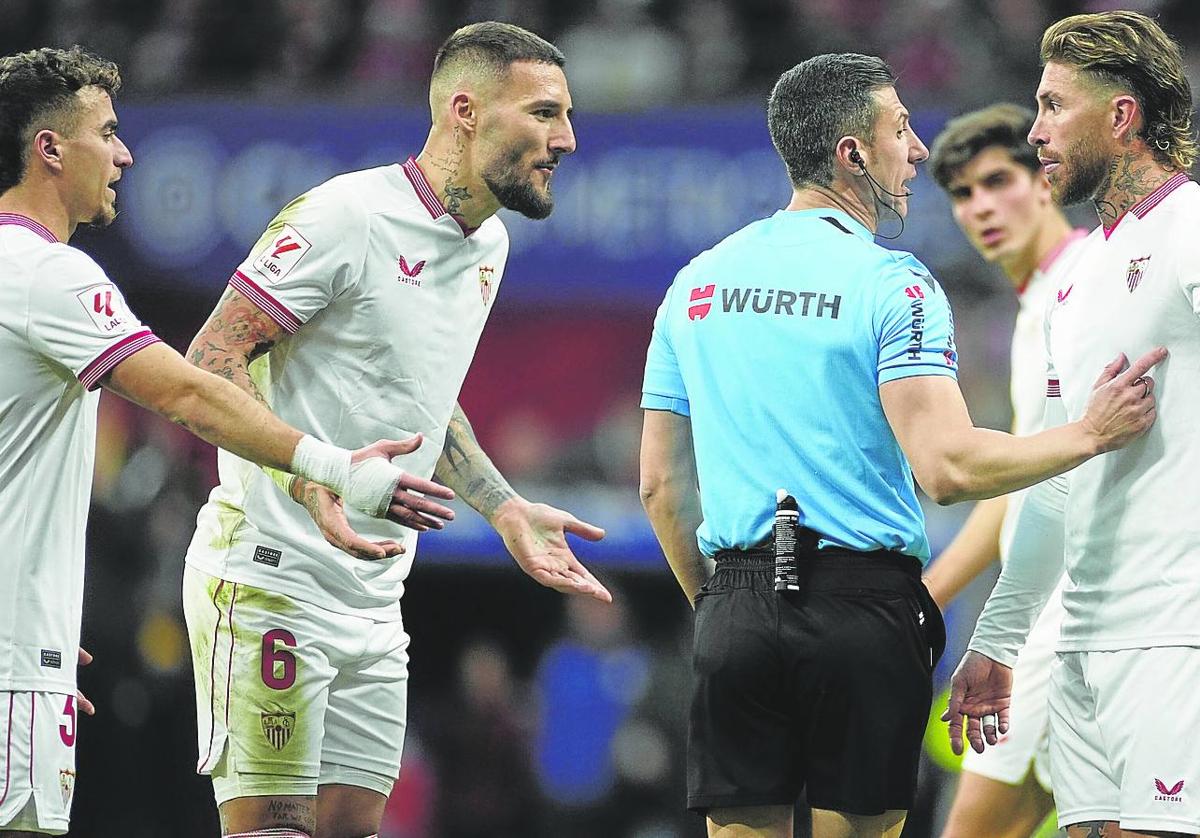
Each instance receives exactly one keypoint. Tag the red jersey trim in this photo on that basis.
(1053, 389)
(8, 749)
(29, 224)
(115, 354)
(270, 306)
(423, 189)
(1143, 207)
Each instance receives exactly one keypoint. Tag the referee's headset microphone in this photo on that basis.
(857, 160)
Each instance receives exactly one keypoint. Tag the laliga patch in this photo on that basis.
(105, 305)
(283, 253)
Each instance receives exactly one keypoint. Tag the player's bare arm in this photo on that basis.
(671, 496)
(235, 334)
(534, 533)
(954, 461)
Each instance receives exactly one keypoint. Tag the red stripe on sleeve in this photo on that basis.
(115, 354)
(270, 306)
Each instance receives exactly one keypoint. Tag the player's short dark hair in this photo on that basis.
(37, 90)
(1131, 52)
(819, 101)
(1005, 126)
(494, 46)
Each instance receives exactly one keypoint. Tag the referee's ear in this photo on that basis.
(849, 157)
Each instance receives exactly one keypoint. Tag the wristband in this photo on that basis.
(367, 486)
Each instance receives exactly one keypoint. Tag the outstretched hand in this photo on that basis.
(407, 507)
(535, 535)
(981, 690)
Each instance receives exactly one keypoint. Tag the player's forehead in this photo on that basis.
(536, 81)
(95, 107)
(1060, 80)
(989, 163)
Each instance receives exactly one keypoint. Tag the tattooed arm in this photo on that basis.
(238, 332)
(534, 533)
(235, 334)
(466, 469)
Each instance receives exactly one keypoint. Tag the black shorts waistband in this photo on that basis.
(832, 567)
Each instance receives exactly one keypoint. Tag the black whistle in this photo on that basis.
(787, 527)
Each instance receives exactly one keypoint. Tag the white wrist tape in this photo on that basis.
(367, 486)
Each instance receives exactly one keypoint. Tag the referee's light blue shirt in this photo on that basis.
(775, 343)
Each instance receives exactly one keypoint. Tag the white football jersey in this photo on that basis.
(63, 327)
(1027, 384)
(383, 297)
(1132, 531)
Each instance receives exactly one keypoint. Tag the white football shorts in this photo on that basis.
(37, 761)
(290, 696)
(1121, 747)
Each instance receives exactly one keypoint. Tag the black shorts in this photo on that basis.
(826, 689)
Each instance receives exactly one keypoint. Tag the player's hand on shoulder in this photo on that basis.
(1122, 406)
(981, 690)
(535, 535)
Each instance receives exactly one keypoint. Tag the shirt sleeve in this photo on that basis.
(1034, 566)
(311, 253)
(662, 386)
(78, 318)
(915, 326)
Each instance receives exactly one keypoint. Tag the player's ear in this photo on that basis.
(464, 110)
(47, 149)
(1127, 116)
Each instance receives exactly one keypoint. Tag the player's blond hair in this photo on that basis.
(1129, 51)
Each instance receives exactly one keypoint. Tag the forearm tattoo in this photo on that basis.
(236, 333)
(466, 469)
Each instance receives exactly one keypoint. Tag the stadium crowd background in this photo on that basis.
(530, 714)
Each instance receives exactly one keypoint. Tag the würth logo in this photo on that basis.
(414, 270)
(102, 303)
(1172, 794)
(699, 295)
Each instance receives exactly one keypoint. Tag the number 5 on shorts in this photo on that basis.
(273, 659)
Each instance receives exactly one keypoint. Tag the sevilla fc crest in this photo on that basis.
(278, 728)
(66, 784)
(486, 274)
(1137, 268)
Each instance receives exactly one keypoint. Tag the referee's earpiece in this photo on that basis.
(856, 158)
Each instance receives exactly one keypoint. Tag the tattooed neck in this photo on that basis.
(1130, 177)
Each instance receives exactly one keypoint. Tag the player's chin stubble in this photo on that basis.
(517, 192)
(1086, 167)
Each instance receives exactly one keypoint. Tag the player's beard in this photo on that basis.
(515, 190)
(1086, 167)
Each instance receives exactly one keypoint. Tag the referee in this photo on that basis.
(798, 354)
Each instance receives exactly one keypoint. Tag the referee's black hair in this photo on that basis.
(496, 45)
(37, 90)
(819, 101)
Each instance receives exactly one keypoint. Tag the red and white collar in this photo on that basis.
(1142, 207)
(28, 224)
(427, 196)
